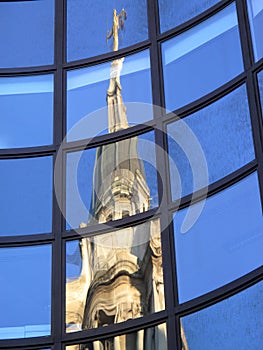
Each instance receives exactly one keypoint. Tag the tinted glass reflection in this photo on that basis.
(26, 196)
(260, 83)
(173, 13)
(114, 277)
(25, 294)
(26, 33)
(223, 130)
(112, 181)
(255, 10)
(202, 59)
(89, 22)
(26, 107)
(153, 338)
(93, 88)
(224, 244)
(235, 323)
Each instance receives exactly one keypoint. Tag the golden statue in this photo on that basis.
(118, 23)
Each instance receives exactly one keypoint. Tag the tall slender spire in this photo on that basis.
(117, 118)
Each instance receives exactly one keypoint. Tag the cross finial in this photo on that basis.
(118, 23)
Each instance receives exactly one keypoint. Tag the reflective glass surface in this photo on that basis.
(112, 181)
(89, 23)
(173, 13)
(255, 10)
(26, 108)
(114, 277)
(26, 196)
(25, 294)
(110, 84)
(153, 338)
(26, 33)
(235, 323)
(202, 59)
(223, 130)
(224, 244)
(260, 83)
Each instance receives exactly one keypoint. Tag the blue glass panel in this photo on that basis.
(202, 59)
(173, 13)
(26, 33)
(260, 83)
(26, 107)
(25, 295)
(224, 244)
(255, 10)
(235, 323)
(87, 92)
(89, 22)
(93, 175)
(26, 196)
(223, 130)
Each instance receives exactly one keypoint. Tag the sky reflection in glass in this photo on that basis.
(173, 13)
(201, 59)
(235, 323)
(224, 244)
(26, 196)
(89, 22)
(87, 91)
(223, 130)
(25, 295)
(255, 10)
(26, 33)
(26, 107)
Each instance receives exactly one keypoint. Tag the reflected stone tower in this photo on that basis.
(121, 276)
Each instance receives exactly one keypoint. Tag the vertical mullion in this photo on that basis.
(57, 301)
(173, 337)
(252, 91)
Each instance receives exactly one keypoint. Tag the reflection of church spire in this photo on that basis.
(117, 118)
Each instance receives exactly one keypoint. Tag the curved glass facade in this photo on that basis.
(131, 175)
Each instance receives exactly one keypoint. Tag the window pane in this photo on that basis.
(202, 59)
(26, 196)
(26, 107)
(224, 244)
(223, 130)
(235, 323)
(114, 277)
(89, 22)
(255, 9)
(93, 88)
(25, 292)
(153, 338)
(26, 33)
(173, 13)
(260, 83)
(111, 181)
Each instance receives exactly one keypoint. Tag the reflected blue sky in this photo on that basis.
(260, 83)
(26, 33)
(87, 89)
(224, 244)
(26, 107)
(25, 295)
(255, 10)
(201, 59)
(173, 13)
(89, 21)
(26, 196)
(235, 323)
(224, 132)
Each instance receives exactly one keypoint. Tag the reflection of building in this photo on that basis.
(121, 275)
